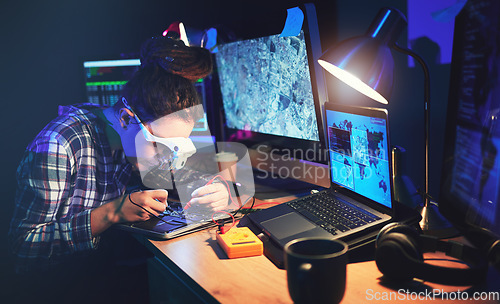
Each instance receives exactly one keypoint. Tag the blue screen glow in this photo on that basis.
(359, 154)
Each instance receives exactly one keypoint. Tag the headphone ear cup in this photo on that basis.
(398, 227)
(396, 254)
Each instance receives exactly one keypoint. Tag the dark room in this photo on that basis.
(302, 151)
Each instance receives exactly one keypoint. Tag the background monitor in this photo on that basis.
(202, 124)
(470, 191)
(105, 79)
(270, 90)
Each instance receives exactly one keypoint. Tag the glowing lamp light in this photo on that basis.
(353, 81)
(365, 63)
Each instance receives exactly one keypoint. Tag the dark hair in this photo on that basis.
(164, 83)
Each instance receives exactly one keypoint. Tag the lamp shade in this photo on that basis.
(365, 63)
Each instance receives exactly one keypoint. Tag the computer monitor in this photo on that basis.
(271, 88)
(201, 126)
(470, 187)
(105, 79)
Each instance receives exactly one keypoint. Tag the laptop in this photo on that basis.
(176, 221)
(360, 197)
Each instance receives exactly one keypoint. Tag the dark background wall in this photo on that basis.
(43, 44)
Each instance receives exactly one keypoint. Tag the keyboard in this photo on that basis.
(331, 213)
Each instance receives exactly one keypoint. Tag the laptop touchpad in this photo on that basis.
(287, 225)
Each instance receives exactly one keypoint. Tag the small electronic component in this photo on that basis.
(240, 242)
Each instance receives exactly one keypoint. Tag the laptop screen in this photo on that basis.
(359, 153)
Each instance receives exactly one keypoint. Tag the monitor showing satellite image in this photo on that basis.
(266, 86)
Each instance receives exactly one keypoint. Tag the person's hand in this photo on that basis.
(139, 206)
(214, 196)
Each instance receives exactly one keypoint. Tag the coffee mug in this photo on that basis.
(227, 165)
(316, 270)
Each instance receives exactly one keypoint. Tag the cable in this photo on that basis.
(260, 204)
(154, 215)
(223, 229)
(246, 210)
(218, 223)
(188, 205)
(251, 206)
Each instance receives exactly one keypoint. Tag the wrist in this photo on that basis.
(105, 216)
(113, 214)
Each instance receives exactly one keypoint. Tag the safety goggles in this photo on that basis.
(181, 148)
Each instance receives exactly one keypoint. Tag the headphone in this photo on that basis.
(399, 256)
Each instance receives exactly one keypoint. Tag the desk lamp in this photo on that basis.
(366, 64)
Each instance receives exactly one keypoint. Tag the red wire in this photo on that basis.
(230, 196)
(232, 201)
(234, 221)
(227, 185)
(266, 203)
(210, 182)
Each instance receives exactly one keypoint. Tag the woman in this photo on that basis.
(73, 177)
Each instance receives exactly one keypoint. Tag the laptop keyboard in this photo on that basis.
(332, 214)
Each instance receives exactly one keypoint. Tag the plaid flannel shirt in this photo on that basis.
(68, 170)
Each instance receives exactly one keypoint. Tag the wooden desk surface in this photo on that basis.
(257, 280)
